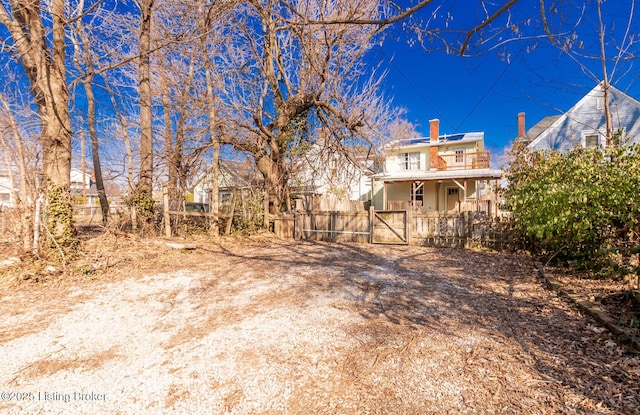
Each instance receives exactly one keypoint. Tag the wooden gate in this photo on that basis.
(390, 227)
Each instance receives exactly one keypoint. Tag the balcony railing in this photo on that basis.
(464, 161)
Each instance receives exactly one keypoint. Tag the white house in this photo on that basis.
(343, 174)
(6, 189)
(438, 173)
(83, 185)
(232, 176)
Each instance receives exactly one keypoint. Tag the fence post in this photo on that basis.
(409, 225)
(266, 209)
(165, 210)
(232, 212)
(371, 216)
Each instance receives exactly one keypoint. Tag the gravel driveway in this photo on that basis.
(249, 326)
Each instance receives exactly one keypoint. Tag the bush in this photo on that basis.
(581, 205)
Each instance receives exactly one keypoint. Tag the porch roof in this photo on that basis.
(478, 174)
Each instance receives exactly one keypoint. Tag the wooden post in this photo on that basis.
(496, 196)
(409, 226)
(438, 196)
(165, 210)
(36, 226)
(384, 195)
(266, 210)
(372, 213)
(297, 226)
(231, 211)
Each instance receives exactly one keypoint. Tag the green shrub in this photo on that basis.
(581, 205)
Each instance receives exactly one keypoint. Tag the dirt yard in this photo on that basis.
(267, 326)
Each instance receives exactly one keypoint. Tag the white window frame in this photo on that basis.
(601, 138)
(409, 161)
(459, 156)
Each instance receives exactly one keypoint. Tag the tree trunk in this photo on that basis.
(145, 181)
(52, 96)
(276, 183)
(95, 150)
(172, 182)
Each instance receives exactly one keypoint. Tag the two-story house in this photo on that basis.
(438, 174)
(584, 124)
(332, 172)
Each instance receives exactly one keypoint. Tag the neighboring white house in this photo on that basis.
(6, 189)
(233, 176)
(584, 124)
(437, 173)
(81, 185)
(343, 174)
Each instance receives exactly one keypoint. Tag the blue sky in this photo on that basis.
(485, 92)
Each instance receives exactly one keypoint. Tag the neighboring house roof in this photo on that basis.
(442, 140)
(541, 126)
(233, 174)
(587, 116)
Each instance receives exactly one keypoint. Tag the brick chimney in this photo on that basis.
(434, 129)
(521, 129)
(434, 132)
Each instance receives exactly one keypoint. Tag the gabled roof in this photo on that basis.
(442, 140)
(587, 117)
(240, 174)
(541, 126)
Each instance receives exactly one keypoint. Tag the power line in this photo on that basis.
(488, 91)
(415, 88)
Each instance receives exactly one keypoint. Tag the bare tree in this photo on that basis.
(84, 62)
(298, 78)
(145, 181)
(20, 152)
(44, 61)
(606, 60)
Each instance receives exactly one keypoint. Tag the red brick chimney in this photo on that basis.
(521, 129)
(434, 127)
(434, 132)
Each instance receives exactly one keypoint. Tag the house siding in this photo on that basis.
(585, 117)
(378, 195)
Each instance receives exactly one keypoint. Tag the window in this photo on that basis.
(592, 139)
(409, 161)
(452, 191)
(418, 192)
(459, 156)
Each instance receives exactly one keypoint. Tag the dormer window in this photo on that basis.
(409, 161)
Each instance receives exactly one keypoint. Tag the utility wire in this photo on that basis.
(488, 91)
(415, 89)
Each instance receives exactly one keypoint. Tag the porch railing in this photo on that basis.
(463, 161)
(485, 206)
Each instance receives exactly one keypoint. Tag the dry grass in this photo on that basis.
(262, 325)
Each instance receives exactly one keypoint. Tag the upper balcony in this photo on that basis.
(462, 161)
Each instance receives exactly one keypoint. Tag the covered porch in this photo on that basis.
(439, 192)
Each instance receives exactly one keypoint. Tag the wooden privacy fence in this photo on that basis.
(458, 229)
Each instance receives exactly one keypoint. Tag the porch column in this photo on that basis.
(438, 195)
(465, 189)
(384, 195)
